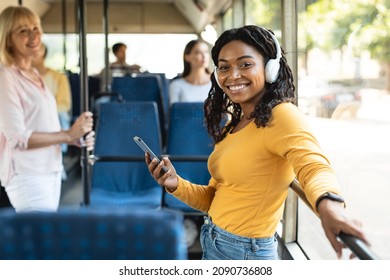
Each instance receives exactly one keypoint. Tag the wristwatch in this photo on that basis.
(331, 196)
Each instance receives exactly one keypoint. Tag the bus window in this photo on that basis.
(157, 53)
(342, 85)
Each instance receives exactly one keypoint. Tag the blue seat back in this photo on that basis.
(92, 234)
(117, 124)
(142, 87)
(187, 136)
(164, 82)
(187, 131)
(74, 82)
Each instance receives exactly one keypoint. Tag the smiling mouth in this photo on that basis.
(33, 45)
(238, 87)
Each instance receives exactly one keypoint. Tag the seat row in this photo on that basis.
(119, 174)
(92, 234)
(138, 87)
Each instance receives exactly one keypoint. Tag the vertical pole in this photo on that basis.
(63, 8)
(106, 49)
(81, 15)
(290, 42)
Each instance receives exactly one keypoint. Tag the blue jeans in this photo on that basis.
(218, 244)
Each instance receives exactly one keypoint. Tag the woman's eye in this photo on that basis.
(223, 68)
(245, 65)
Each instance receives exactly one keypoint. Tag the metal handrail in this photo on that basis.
(357, 246)
(191, 158)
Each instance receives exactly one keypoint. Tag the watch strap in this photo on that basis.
(331, 196)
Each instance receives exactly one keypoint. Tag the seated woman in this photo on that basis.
(194, 83)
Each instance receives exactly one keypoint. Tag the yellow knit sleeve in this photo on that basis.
(291, 137)
(197, 196)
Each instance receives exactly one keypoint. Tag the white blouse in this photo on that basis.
(24, 108)
(182, 91)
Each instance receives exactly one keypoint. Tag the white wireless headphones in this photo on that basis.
(272, 67)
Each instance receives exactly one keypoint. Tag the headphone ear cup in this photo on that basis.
(272, 70)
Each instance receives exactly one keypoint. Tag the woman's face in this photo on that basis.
(199, 56)
(25, 40)
(240, 72)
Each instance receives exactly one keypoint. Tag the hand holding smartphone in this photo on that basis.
(146, 149)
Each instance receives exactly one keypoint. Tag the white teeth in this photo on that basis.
(236, 87)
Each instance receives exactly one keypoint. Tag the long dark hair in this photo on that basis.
(218, 105)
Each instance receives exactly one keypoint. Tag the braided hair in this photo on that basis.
(218, 105)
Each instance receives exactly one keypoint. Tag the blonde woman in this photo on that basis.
(30, 132)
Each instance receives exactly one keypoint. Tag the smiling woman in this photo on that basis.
(272, 142)
(242, 63)
(240, 73)
(341, 76)
(18, 25)
(30, 133)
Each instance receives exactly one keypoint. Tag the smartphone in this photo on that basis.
(146, 149)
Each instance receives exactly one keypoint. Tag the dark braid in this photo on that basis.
(218, 105)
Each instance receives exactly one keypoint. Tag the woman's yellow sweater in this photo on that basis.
(251, 171)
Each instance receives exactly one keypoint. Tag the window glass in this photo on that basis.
(228, 19)
(156, 53)
(266, 13)
(343, 85)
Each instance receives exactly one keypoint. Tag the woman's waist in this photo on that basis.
(40, 160)
(250, 223)
(238, 236)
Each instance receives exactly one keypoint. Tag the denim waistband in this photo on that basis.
(233, 237)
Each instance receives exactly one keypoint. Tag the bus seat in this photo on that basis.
(74, 81)
(93, 85)
(188, 137)
(164, 82)
(92, 234)
(125, 181)
(142, 87)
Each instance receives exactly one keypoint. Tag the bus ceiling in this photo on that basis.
(128, 16)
